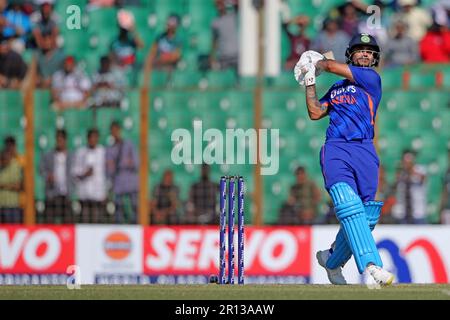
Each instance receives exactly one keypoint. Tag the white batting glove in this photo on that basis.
(303, 65)
(313, 56)
(302, 71)
(310, 77)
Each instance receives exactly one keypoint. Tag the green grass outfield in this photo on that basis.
(216, 292)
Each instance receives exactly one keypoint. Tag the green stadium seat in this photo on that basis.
(104, 117)
(76, 123)
(159, 142)
(392, 78)
(102, 17)
(44, 116)
(415, 122)
(422, 80)
(201, 14)
(45, 139)
(186, 79)
(386, 122)
(433, 100)
(404, 101)
(189, 59)
(166, 8)
(221, 79)
(11, 109)
(285, 80)
(202, 41)
(276, 191)
(446, 77)
(431, 144)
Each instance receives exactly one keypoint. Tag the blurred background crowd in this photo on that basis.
(87, 107)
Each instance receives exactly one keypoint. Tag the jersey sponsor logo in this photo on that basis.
(343, 99)
(36, 249)
(195, 250)
(347, 89)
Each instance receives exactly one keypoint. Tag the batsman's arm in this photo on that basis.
(332, 66)
(316, 110)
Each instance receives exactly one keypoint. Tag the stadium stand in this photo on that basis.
(414, 111)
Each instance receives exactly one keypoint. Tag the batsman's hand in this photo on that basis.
(308, 57)
(310, 76)
(305, 75)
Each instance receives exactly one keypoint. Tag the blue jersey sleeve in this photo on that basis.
(368, 79)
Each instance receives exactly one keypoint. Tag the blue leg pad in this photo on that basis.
(341, 251)
(373, 212)
(351, 214)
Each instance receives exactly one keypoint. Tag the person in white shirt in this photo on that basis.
(70, 87)
(55, 170)
(90, 179)
(411, 191)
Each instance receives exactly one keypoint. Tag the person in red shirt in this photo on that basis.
(435, 45)
(298, 40)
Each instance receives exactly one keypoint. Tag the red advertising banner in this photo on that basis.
(36, 250)
(280, 251)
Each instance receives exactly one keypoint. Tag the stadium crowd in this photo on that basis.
(104, 179)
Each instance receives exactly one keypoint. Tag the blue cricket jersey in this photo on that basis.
(353, 105)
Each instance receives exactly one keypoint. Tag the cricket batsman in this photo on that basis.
(348, 158)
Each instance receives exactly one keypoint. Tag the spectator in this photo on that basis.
(435, 45)
(304, 196)
(122, 166)
(108, 85)
(387, 195)
(417, 19)
(332, 39)
(124, 48)
(11, 184)
(10, 145)
(3, 21)
(50, 59)
(349, 19)
(12, 67)
(444, 208)
(45, 22)
(90, 179)
(441, 12)
(202, 203)
(299, 42)
(411, 202)
(287, 212)
(70, 86)
(55, 168)
(225, 44)
(164, 205)
(18, 26)
(330, 213)
(401, 49)
(166, 51)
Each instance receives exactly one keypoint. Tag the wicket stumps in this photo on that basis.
(228, 183)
